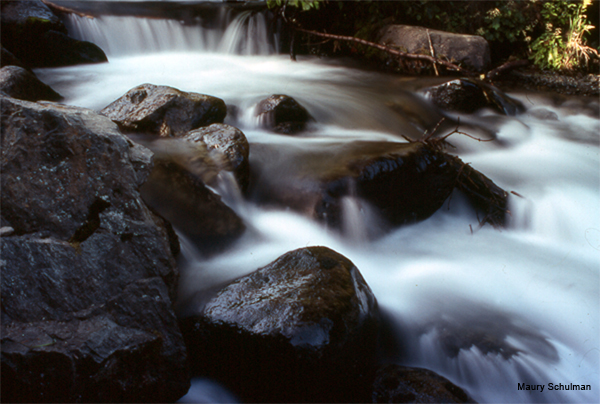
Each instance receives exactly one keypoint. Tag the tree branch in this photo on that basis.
(389, 50)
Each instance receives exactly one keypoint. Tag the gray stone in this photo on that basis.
(470, 51)
(164, 111)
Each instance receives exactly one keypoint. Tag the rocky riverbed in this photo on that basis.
(95, 205)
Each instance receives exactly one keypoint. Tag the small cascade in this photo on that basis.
(240, 33)
(247, 34)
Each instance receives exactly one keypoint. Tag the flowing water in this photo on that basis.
(486, 308)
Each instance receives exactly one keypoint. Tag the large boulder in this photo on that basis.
(38, 38)
(471, 51)
(282, 114)
(164, 111)
(226, 147)
(404, 182)
(400, 384)
(20, 83)
(301, 329)
(88, 271)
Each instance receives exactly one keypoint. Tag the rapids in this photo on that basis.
(486, 308)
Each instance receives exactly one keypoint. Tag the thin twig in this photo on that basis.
(432, 53)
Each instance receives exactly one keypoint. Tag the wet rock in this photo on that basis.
(400, 384)
(184, 199)
(282, 114)
(88, 272)
(468, 95)
(472, 51)
(404, 182)
(37, 37)
(303, 328)
(227, 147)
(23, 84)
(164, 111)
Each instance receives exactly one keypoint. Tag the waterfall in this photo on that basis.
(234, 32)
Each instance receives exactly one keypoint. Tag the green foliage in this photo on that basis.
(305, 5)
(562, 45)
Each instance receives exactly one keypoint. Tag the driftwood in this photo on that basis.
(481, 191)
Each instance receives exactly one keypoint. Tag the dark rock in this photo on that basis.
(405, 182)
(399, 384)
(468, 95)
(227, 147)
(164, 111)
(472, 51)
(37, 37)
(67, 51)
(88, 274)
(183, 199)
(8, 59)
(282, 114)
(303, 328)
(24, 85)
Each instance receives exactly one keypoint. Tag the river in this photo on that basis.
(487, 308)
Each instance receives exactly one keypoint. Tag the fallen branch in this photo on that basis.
(505, 67)
(66, 10)
(481, 191)
(391, 51)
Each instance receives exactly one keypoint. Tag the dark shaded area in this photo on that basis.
(37, 37)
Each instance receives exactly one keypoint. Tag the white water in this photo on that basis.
(532, 288)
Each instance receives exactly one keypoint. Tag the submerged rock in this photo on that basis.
(404, 182)
(164, 111)
(468, 95)
(282, 114)
(88, 272)
(37, 37)
(303, 328)
(20, 83)
(400, 384)
(471, 51)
